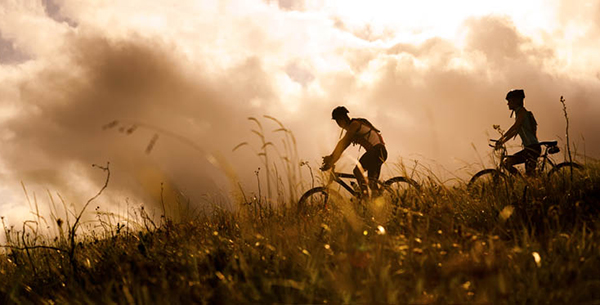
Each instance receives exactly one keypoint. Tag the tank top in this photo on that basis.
(528, 130)
(367, 135)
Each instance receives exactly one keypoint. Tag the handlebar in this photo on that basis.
(494, 141)
(323, 169)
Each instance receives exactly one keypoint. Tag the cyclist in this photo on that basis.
(362, 132)
(526, 127)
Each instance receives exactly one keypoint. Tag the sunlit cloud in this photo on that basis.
(431, 75)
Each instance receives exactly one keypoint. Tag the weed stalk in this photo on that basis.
(563, 102)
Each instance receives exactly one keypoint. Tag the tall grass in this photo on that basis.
(533, 242)
(566, 115)
(287, 182)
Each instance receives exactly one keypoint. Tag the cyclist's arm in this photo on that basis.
(514, 129)
(344, 142)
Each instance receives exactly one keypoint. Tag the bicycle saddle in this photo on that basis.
(549, 143)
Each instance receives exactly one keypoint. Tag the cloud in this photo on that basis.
(53, 9)
(437, 98)
(8, 53)
(193, 72)
(56, 131)
(297, 5)
(497, 38)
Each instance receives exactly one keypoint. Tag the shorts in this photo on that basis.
(528, 156)
(373, 158)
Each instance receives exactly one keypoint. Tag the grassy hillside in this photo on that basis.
(531, 241)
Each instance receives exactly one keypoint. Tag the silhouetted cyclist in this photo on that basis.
(362, 132)
(526, 127)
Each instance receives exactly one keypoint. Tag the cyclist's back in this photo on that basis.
(528, 130)
(367, 135)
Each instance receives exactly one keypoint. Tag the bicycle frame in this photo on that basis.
(544, 158)
(337, 177)
(395, 186)
(501, 172)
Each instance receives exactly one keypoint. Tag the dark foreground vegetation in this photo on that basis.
(533, 241)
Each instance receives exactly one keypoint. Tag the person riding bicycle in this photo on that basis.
(362, 132)
(526, 127)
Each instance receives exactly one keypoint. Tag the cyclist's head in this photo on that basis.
(340, 115)
(515, 97)
(340, 112)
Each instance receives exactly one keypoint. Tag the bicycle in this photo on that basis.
(496, 176)
(396, 189)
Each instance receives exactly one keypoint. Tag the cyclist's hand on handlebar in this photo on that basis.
(498, 145)
(326, 163)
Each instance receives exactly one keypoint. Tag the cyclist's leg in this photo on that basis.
(360, 170)
(371, 161)
(512, 160)
(531, 153)
(381, 156)
(360, 178)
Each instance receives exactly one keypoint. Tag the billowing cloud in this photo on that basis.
(194, 71)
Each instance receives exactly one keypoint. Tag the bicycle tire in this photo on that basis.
(558, 167)
(488, 176)
(401, 179)
(560, 176)
(400, 189)
(315, 198)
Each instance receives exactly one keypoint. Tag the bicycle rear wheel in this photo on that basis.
(567, 173)
(489, 180)
(314, 200)
(401, 191)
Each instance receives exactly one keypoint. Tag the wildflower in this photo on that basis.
(506, 212)
(537, 258)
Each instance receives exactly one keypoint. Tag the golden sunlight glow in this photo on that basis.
(442, 18)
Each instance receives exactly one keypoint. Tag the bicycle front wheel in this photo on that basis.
(313, 200)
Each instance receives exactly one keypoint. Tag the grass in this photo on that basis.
(531, 242)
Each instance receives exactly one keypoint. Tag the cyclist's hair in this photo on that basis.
(339, 112)
(516, 93)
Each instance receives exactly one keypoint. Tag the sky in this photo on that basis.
(431, 75)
